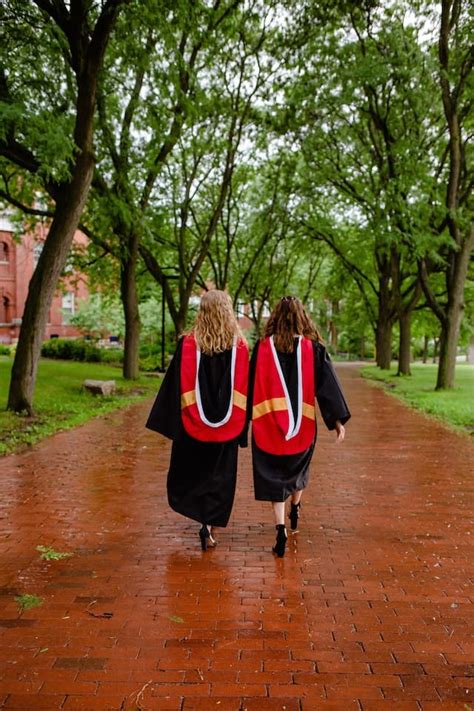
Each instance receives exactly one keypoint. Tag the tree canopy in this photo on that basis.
(258, 146)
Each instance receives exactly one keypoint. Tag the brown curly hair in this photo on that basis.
(289, 319)
(216, 325)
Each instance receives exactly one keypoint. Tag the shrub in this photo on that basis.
(82, 350)
(71, 349)
(150, 364)
(111, 355)
(4, 350)
(150, 355)
(150, 349)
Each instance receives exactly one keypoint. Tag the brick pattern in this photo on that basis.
(371, 608)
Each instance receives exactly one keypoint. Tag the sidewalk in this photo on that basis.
(371, 608)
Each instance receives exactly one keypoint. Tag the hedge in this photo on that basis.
(76, 349)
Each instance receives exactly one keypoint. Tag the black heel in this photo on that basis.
(207, 541)
(280, 544)
(204, 535)
(294, 515)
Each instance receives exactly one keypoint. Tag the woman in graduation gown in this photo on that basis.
(290, 367)
(201, 406)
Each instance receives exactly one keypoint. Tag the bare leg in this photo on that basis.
(279, 512)
(296, 497)
(212, 540)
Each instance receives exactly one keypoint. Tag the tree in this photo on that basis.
(162, 91)
(358, 118)
(456, 172)
(259, 237)
(98, 317)
(196, 188)
(47, 39)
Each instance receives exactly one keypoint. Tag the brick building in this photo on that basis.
(18, 259)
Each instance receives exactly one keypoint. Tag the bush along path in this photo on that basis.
(371, 608)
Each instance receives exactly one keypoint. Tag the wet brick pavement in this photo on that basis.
(371, 608)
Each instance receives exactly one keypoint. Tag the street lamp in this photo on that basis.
(165, 277)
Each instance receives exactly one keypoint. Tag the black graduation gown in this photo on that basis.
(202, 475)
(278, 476)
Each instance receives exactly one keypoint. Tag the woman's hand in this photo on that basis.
(341, 431)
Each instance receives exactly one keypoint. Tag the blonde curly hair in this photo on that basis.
(216, 325)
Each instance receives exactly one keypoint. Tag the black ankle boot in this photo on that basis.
(280, 543)
(294, 515)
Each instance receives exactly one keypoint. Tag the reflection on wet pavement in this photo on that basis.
(372, 607)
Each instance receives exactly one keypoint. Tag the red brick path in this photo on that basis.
(372, 607)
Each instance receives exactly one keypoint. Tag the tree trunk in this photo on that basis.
(451, 324)
(362, 348)
(451, 317)
(435, 349)
(332, 326)
(182, 315)
(470, 351)
(424, 357)
(86, 59)
(448, 344)
(128, 290)
(383, 342)
(43, 286)
(404, 355)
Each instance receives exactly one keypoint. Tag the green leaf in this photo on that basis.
(48, 553)
(175, 618)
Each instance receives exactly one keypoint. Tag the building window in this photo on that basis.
(265, 308)
(38, 248)
(4, 257)
(240, 308)
(68, 306)
(4, 304)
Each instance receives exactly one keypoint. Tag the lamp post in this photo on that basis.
(163, 332)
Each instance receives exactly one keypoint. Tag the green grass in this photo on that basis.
(60, 401)
(453, 407)
(27, 602)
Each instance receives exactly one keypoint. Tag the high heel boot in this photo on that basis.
(281, 538)
(294, 515)
(207, 541)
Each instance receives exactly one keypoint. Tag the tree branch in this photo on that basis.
(433, 303)
(25, 208)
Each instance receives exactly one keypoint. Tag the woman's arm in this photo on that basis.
(165, 415)
(331, 400)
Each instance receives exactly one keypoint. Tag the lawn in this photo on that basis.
(61, 402)
(454, 407)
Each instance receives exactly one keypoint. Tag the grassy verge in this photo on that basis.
(61, 402)
(453, 407)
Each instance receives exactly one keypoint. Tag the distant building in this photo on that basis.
(18, 259)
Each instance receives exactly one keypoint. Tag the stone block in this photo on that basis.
(100, 387)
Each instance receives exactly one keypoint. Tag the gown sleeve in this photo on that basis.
(243, 439)
(165, 415)
(329, 395)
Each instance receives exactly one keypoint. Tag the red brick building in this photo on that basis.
(18, 259)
